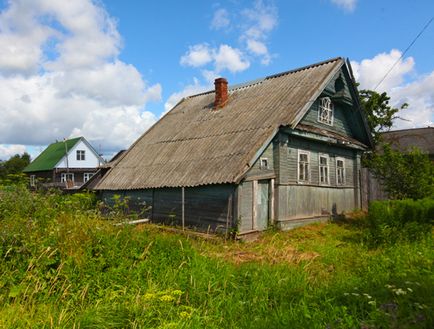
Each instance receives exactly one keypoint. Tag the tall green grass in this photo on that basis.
(394, 221)
(63, 266)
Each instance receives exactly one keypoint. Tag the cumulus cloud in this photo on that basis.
(197, 55)
(402, 84)
(222, 58)
(347, 5)
(369, 72)
(60, 76)
(254, 24)
(260, 20)
(7, 151)
(191, 89)
(228, 58)
(220, 19)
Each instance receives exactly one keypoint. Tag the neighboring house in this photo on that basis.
(404, 140)
(283, 150)
(102, 170)
(66, 164)
(401, 140)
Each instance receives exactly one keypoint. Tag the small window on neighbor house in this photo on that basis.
(303, 167)
(340, 171)
(32, 180)
(325, 111)
(66, 177)
(87, 176)
(323, 169)
(81, 155)
(264, 163)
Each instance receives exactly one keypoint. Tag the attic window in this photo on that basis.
(81, 155)
(264, 163)
(325, 111)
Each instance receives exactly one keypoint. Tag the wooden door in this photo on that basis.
(262, 205)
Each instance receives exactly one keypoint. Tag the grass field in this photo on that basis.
(63, 266)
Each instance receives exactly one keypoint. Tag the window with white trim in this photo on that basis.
(303, 167)
(81, 155)
(325, 111)
(32, 180)
(323, 169)
(264, 163)
(340, 171)
(66, 177)
(87, 176)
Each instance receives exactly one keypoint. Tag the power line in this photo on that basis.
(405, 51)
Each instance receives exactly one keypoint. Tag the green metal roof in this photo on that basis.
(51, 155)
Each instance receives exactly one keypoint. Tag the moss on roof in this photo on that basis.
(48, 159)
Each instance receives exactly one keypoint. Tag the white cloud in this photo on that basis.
(260, 21)
(60, 76)
(369, 72)
(417, 92)
(260, 49)
(188, 90)
(254, 25)
(228, 58)
(197, 55)
(223, 58)
(220, 19)
(347, 5)
(7, 151)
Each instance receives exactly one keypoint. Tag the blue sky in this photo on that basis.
(109, 69)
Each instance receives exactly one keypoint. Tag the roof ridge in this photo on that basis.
(406, 129)
(303, 68)
(260, 80)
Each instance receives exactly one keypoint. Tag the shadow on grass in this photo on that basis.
(356, 223)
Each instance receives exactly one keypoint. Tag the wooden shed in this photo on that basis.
(283, 150)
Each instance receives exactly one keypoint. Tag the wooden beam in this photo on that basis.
(254, 197)
(183, 206)
(271, 206)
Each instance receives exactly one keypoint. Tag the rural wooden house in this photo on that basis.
(65, 164)
(282, 150)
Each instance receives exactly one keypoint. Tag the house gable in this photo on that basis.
(91, 157)
(348, 120)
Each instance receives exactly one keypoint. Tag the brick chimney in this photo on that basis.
(221, 92)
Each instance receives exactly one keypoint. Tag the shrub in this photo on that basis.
(399, 220)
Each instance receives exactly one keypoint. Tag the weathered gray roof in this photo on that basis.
(404, 140)
(195, 144)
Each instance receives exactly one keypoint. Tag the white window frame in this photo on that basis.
(326, 111)
(263, 163)
(306, 169)
(64, 177)
(80, 155)
(32, 180)
(340, 174)
(87, 176)
(322, 168)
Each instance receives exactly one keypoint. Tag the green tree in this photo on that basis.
(14, 165)
(378, 111)
(403, 174)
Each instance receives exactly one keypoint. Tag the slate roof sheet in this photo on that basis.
(195, 144)
(48, 159)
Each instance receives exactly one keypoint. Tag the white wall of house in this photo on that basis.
(91, 160)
